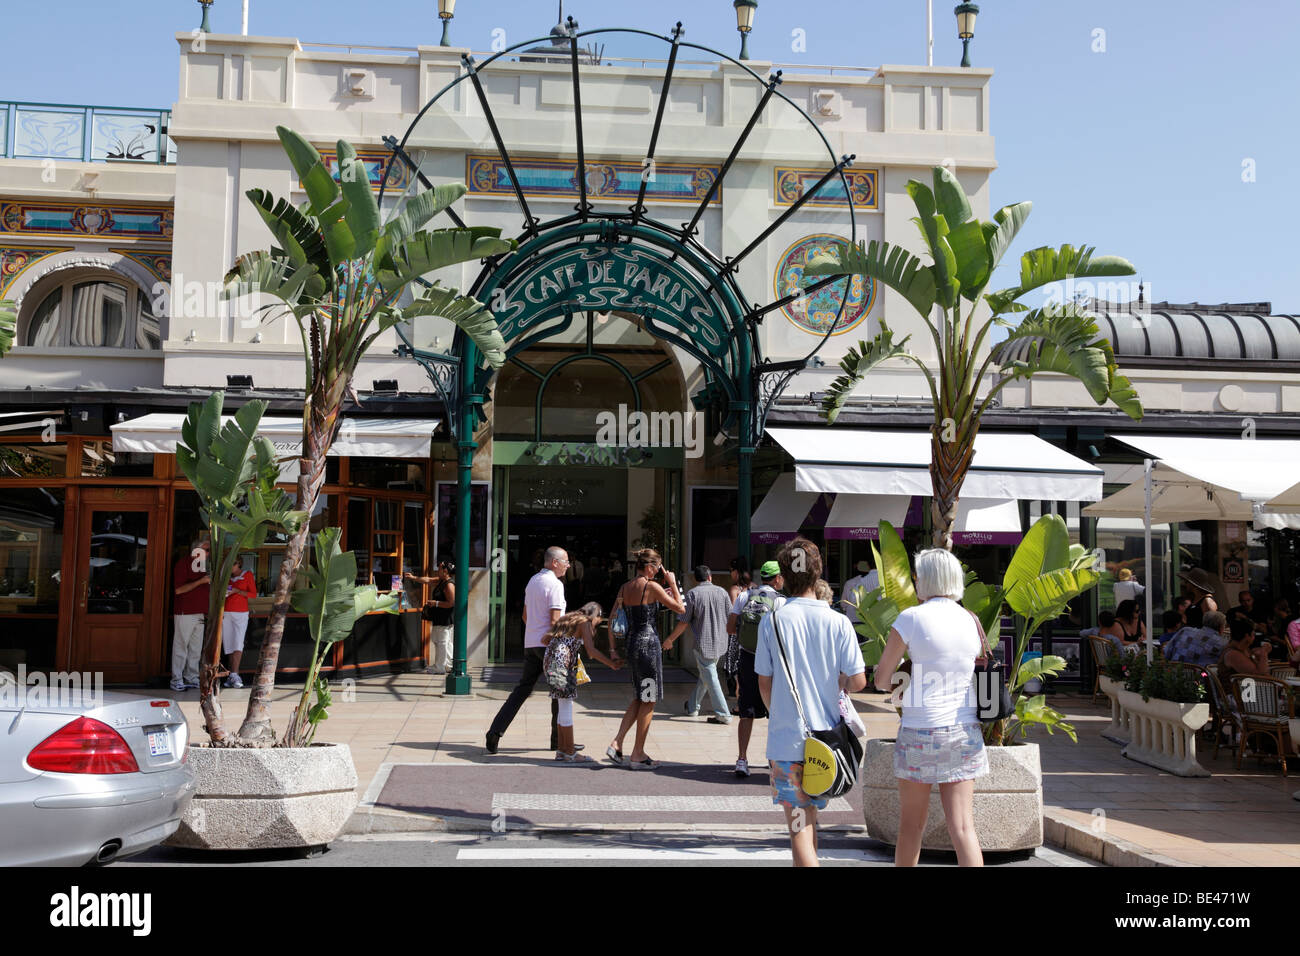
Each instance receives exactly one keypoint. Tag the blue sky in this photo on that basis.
(1138, 150)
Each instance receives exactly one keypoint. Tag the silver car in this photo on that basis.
(88, 777)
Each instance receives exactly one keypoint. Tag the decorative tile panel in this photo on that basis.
(115, 220)
(667, 182)
(376, 162)
(791, 181)
(15, 260)
(816, 313)
(158, 264)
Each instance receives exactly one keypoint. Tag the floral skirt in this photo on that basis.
(940, 754)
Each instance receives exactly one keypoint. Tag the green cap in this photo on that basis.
(770, 569)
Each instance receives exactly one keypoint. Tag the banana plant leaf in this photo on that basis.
(985, 602)
(894, 568)
(1044, 265)
(333, 601)
(1045, 547)
(8, 325)
(427, 252)
(1066, 340)
(1048, 595)
(857, 362)
(420, 208)
(1037, 667)
(1034, 711)
(470, 316)
(876, 615)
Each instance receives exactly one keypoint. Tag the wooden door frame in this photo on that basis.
(153, 501)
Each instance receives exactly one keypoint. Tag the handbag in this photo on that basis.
(428, 612)
(992, 696)
(618, 623)
(831, 758)
(583, 677)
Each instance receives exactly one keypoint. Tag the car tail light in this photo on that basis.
(84, 746)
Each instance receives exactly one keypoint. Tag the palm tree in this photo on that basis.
(340, 272)
(964, 252)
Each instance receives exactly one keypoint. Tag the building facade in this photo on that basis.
(663, 366)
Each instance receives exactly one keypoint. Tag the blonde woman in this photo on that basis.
(939, 738)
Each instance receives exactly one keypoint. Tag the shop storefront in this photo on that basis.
(113, 514)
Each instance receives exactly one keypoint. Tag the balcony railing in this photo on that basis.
(110, 134)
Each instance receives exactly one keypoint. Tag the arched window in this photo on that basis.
(91, 311)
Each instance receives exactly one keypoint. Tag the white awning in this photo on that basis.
(1208, 479)
(981, 521)
(1258, 469)
(158, 433)
(782, 511)
(867, 462)
(1288, 500)
(858, 517)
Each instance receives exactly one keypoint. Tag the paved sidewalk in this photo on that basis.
(1245, 817)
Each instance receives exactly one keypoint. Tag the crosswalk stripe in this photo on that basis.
(657, 853)
(639, 803)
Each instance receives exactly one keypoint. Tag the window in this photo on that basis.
(93, 312)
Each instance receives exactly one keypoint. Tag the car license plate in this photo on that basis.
(160, 744)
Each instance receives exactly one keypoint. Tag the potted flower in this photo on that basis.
(1046, 572)
(1163, 706)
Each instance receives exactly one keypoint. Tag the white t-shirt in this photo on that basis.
(544, 593)
(943, 641)
(868, 582)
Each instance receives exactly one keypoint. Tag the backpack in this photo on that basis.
(759, 605)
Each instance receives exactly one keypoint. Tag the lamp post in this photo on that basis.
(203, 27)
(966, 13)
(744, 23)
(446, 10)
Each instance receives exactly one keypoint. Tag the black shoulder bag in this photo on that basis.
(992, 696)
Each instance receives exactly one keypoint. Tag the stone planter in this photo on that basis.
(1119, 731)
(1008, 802)
(1164, 733)
(248, 799)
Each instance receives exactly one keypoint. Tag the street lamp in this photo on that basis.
(446, 10)
(744, 23)
(203, 27)
(966, 14)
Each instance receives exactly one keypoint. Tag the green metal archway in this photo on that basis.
(626, 261)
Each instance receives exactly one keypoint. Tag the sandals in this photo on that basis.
(647, 764)
(574, 757)
(615, 756)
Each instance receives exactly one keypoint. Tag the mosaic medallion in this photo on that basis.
(816, 313)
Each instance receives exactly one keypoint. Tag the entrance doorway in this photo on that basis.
(598, 514)
(118, 607)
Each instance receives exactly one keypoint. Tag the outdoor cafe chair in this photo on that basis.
(1102, 649)
(1223, 711)
(1281, 671)
(1266, 709)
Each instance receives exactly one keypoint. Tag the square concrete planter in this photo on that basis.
(1008, 801)
(251, 799)
(1119, 731)
(1164, 733)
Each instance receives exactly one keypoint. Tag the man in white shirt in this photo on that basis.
(867, 579)
(543, 606)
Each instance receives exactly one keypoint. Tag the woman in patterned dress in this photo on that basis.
(641, 598)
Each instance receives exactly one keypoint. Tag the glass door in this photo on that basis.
(118, 604)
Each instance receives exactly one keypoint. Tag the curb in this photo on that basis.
(1111, 850)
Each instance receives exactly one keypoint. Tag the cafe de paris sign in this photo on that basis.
(605, 278)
